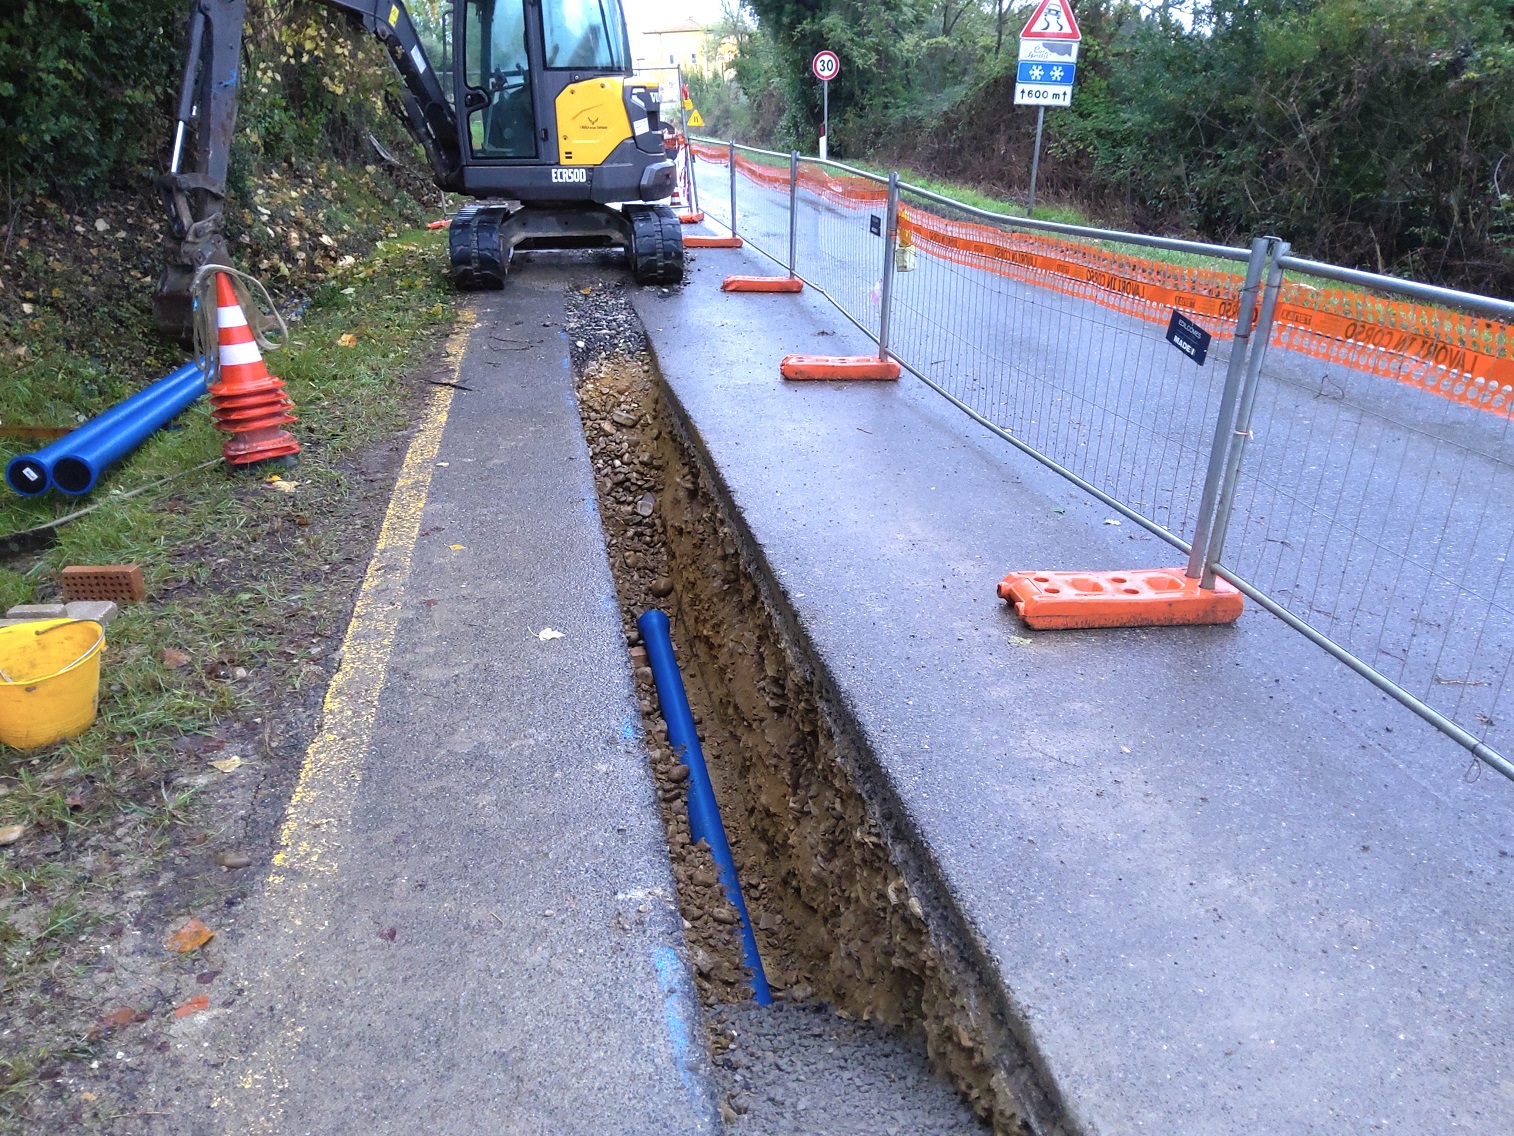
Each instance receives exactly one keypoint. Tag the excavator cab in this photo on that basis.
(528, 106)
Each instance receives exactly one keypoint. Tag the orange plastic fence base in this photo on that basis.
(838, 367)
(445, 223)
(762, 284)
(697, 242)
(691, 218)
(1143, 597)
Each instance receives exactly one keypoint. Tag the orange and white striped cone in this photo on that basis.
(250, 404)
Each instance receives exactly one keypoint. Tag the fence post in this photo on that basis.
(793, 207)
(732, 163)
(890, 238)
(1242, 431)
(1198, 556)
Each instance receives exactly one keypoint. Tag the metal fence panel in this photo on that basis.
(839, 219)
(1376, 499)
(710, 165)
(1061, 343)
(761, 187)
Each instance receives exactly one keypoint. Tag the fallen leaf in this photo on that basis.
(193, 1006)
(173, 658)
(585, 291)
(228, 765)
(547, 633)
(282, 486)
(11, 833)
(457, 547)
(118, 1018)
(347, 340)
(1020, 641)
(347, 291)
(192, 936)
(88, 1096)
(234, 860)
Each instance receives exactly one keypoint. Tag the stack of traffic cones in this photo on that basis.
(250, 404)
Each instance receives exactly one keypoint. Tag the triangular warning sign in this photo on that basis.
(696, 119)
(1052, 19)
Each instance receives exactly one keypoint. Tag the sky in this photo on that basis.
(647, 15)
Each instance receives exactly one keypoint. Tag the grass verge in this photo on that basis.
(249, 581)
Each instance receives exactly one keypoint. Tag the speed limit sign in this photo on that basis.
(826, 66)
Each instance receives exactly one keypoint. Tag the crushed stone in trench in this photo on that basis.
(842, 939)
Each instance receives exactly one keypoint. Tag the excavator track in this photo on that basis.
(656, 248)
(479, 259)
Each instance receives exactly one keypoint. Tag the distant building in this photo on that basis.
(687, 44)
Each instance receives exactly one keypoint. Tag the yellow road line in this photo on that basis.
(310, 839)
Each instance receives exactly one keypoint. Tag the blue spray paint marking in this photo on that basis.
(628, 728)
(680, 1036)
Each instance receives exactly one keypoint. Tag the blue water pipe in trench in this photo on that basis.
(704, 814)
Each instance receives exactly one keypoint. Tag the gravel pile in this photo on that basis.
(799, 1069)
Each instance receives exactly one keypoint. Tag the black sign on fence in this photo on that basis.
(1188, 337)
(875, 224)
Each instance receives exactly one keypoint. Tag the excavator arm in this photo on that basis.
(194, 188)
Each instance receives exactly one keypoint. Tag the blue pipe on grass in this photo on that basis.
(704, 814)
(32, 474)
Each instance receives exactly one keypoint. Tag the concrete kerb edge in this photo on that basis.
(964, 953)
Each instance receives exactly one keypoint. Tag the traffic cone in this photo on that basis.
(250, 404)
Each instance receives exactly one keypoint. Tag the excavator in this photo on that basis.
(535, 114)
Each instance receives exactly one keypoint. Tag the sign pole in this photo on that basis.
(1035, 162)
(825, 67)
(825, 116)
(1047, 68)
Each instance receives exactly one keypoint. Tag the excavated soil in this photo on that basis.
(834, 915)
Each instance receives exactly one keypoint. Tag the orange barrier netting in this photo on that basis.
(1466, 359)
(1462, 358)
(1136, 286)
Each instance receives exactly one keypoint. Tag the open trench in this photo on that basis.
(868, 1000)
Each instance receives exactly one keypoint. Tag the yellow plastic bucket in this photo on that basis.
(49, 680)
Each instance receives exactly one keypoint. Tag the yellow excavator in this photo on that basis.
(530, 107)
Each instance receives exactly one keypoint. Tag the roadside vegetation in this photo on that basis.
(1373, 133)
(129, 829)
(111, 841)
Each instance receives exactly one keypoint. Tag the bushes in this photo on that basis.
(1375, 133)
(79, 81)
(1366, 131)
(87, 90)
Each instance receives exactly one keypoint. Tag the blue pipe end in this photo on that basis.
(26, 475)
